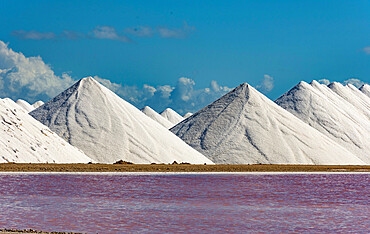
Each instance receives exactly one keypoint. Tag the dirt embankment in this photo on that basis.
(44, 167)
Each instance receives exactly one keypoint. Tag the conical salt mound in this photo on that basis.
(23, 139)
(365, 89)
(38, 104)
(157, 117)
(108, 129)
(187, 115)
(25, 105)
(245, 127)
(172, 116)
(326, 111)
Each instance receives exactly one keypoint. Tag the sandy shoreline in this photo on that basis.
(42, 167)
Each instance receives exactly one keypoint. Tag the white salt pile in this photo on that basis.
(157, 117)
(23, 139)
(25, 105)
(187, 115)
(37, 104)
(353, 96)
(172, 116)
(108, 129)
(245, 127)
(365, 89)
(331, 114)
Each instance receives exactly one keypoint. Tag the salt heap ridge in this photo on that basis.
(38, 104)
(365, 89)
(25, 105)
(157, 117)
(245, 127)
(172, 116)
(23, 139)
(108, 129)
(187, 115)
(352, 95)
(325, 110)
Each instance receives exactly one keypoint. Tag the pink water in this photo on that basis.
(186, 203)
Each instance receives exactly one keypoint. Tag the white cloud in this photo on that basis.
(110, 33)
(267, 83)
(141, 31)
(353, 81)
(356, 82)
(166, 32)
(324, 81)
(107, 83)
(366, 50)
(184, 97)
(28, 77)
(184, 89)
(33, 35)
(31, 79)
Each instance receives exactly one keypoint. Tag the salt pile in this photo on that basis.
(25, 140)
(352, 95)
(25, 105)
(245, 127)
(37, 104)
(365, 89)
(108, 129)
(332, 115)
(187, 115)
(157, 117)
(172, 116)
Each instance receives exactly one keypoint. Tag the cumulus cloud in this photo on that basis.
(353, 81)
(366, 50)
(107, 83)
(110, 33)
(183, 97)
(356, 82)
(324, 81)
(267, 83)
(31, 79)
(33, 35)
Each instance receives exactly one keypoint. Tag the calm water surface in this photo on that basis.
(186, 202)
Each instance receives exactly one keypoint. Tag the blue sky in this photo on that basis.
(157, 42)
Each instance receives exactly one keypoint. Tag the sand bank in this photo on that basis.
(42, 167)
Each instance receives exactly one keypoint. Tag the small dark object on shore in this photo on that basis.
(123, 162)
(185, 163)
(89, 163)
(174, 163)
